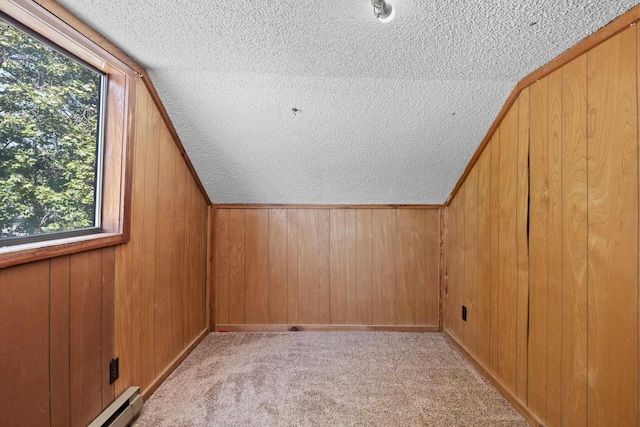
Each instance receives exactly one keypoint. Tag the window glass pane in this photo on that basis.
(49, 138)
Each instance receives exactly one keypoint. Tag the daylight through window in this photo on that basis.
(50, 141)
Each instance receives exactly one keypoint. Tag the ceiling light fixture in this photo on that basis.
(383, 10)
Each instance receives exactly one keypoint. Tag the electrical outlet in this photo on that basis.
(114, 370)
(464, 313)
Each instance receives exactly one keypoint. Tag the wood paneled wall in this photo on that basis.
(542, 244)
(56, 339)
(62, 320)
(161, 273)
(338, 266)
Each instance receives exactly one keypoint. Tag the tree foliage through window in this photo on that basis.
(49, 110)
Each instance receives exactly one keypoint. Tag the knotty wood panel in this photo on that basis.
(538, 238)
(574, 243)
(612, 181)
(357, 252)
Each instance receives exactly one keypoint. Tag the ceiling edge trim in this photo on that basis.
(311, 206)
(629, 18)
(97, 39)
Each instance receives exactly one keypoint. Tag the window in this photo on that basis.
(66, 159)
(50, 140)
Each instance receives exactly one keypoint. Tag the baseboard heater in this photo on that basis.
(122, 411)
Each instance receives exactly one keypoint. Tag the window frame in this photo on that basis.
(117, 141)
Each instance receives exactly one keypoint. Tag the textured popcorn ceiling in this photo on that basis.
(388, 113)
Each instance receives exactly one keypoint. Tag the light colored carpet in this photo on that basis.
(327, 378)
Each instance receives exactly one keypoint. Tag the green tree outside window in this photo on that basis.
(49, 118)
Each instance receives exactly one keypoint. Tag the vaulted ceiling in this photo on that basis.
(386, 113)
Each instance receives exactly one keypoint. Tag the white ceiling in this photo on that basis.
(388, 113)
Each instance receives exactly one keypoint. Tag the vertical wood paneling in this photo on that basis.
(432, 271)
(332, 266)
(292, 266)
(405, 266)
(457, 276)
(324, 293)
(470, 298)
(351, 267)
(108, 263)
(165, 252)
(337, 266)
(257, 266)
(508, 278)
(613, 232)
(307, 265)
(522, 238)
(277, 266)
(147, 318)
(420, 272)
(574, 243)
(222, 266)
(384, 274)
(495, 246)
(484, 256)
(538, 238)
(179, 271)
(554, 284)
(236, 266)
(363, 267)
(59, 371)
(85, 338)
(24, 371)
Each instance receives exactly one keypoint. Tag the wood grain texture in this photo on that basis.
(432, 282)
(324, 287)
(333, 266)
(364, 277)
(538, 250)
(222, 266)
(24, 307)
(612, 183)
(484, 257)
(257, 266)
(277, 266)
(508, 278)
(574, 243)
(85, 338)
(495, 250)
(308, 266)
(292, 265)
(59, 331)
(236, 266)
(470, 297)
(554, 277)
(179, 271)
(385, 301)
(107, 345)
(522, 221)
(337, 266)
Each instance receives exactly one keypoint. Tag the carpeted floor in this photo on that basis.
(327, 378)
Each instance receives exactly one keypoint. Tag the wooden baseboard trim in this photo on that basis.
(173, 365)
(515, 402)
(285, 328)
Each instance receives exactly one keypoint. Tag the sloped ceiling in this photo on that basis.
(387, 113)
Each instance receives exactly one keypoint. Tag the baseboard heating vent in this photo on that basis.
(122, 411)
